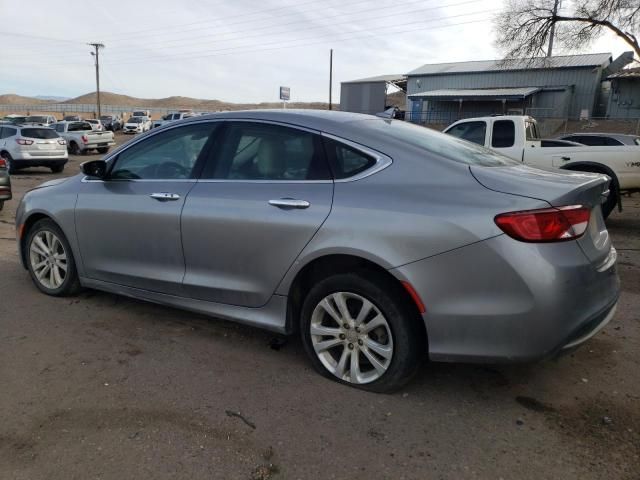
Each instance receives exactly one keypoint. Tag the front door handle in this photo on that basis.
(165, 196)
(566, 159)
(289, 203)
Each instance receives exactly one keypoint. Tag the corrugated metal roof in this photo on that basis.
(626, 73)
(497, 93)
(380, 78)
(566, 61)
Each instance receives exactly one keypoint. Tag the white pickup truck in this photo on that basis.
(516, 136)
(80, 137)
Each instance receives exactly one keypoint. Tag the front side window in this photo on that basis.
(471, 131)
(261, 151)
(170, 155)
(504, 134)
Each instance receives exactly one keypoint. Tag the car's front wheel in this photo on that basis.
(50, 261)
(359, 329)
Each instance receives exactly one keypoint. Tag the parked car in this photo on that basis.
(16, 119)
(24, 146)
(171, 117)
(81, 137)
(5, 183)
(554, 142)
(72, 118)
(379, 241)
(41, 120)
(516, 136)
(111, 122)
(95, 125)
(602, 139)
(137, 125)
(141, 113)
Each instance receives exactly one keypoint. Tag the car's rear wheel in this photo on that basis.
(74, 149)
(103, 150)
(57, 168)
(50, 261)
(359, 329)
(1, 204)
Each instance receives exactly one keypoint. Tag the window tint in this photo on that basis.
(260, 151)
(170, 155)
(7, 132)
(79, 127)
(39, 133)
(470, 131)
(504, 134)
(435, 143)
(612, 142)
(346, 161)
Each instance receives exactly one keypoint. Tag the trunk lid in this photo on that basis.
(558, 188)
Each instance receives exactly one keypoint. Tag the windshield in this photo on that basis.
(37, 119)
(135, 120)
(439, 143)
(39, 133)
(107, 118)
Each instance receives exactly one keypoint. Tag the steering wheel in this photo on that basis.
(171, 170)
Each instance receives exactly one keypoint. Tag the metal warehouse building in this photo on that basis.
(556, 87)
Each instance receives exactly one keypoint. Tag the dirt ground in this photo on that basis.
(104, 387)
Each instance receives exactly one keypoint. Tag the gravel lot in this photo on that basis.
(105, 387)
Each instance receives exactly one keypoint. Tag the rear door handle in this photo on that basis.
(289, 203)
(566, 159)
(165, 196)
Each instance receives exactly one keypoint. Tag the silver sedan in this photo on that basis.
(381, 243)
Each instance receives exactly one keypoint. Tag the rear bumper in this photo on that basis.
(90, 146)
(506, 301)
(5, 190)
(45, 156)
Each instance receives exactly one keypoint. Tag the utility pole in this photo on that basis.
(330, 76)
(552, 32)
(96, 55)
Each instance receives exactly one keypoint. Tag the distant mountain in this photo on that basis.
(53, 98)
(13, 99)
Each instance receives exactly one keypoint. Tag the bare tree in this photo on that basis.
(525, 27)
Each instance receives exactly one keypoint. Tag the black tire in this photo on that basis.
(103, 150)
(57, 168)
(74, 149)
(1, 204)
(612, 200)
(407, 333)
(71, 283)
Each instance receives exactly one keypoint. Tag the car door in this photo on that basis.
(263, 195)
(128, 225)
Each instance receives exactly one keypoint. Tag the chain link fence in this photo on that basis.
(65, 108)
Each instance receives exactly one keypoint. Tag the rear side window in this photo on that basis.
(471, 131)
(39, 133)
(612, 142)
(261, 151)
(7, 132)
(346, 161)
(504, 134)
(591, 140)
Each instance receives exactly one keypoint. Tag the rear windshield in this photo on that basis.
(79, 127)
(38, 133)
(439, 143)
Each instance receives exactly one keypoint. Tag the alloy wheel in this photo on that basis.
(48, 259)
(351, 337)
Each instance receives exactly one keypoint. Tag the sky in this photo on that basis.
(238, 51)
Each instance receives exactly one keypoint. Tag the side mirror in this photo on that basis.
(94, 168)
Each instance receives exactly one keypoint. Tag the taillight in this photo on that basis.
(84, 138)
(24, 141)
(62, 141)
(3, 163)
(556, 224)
